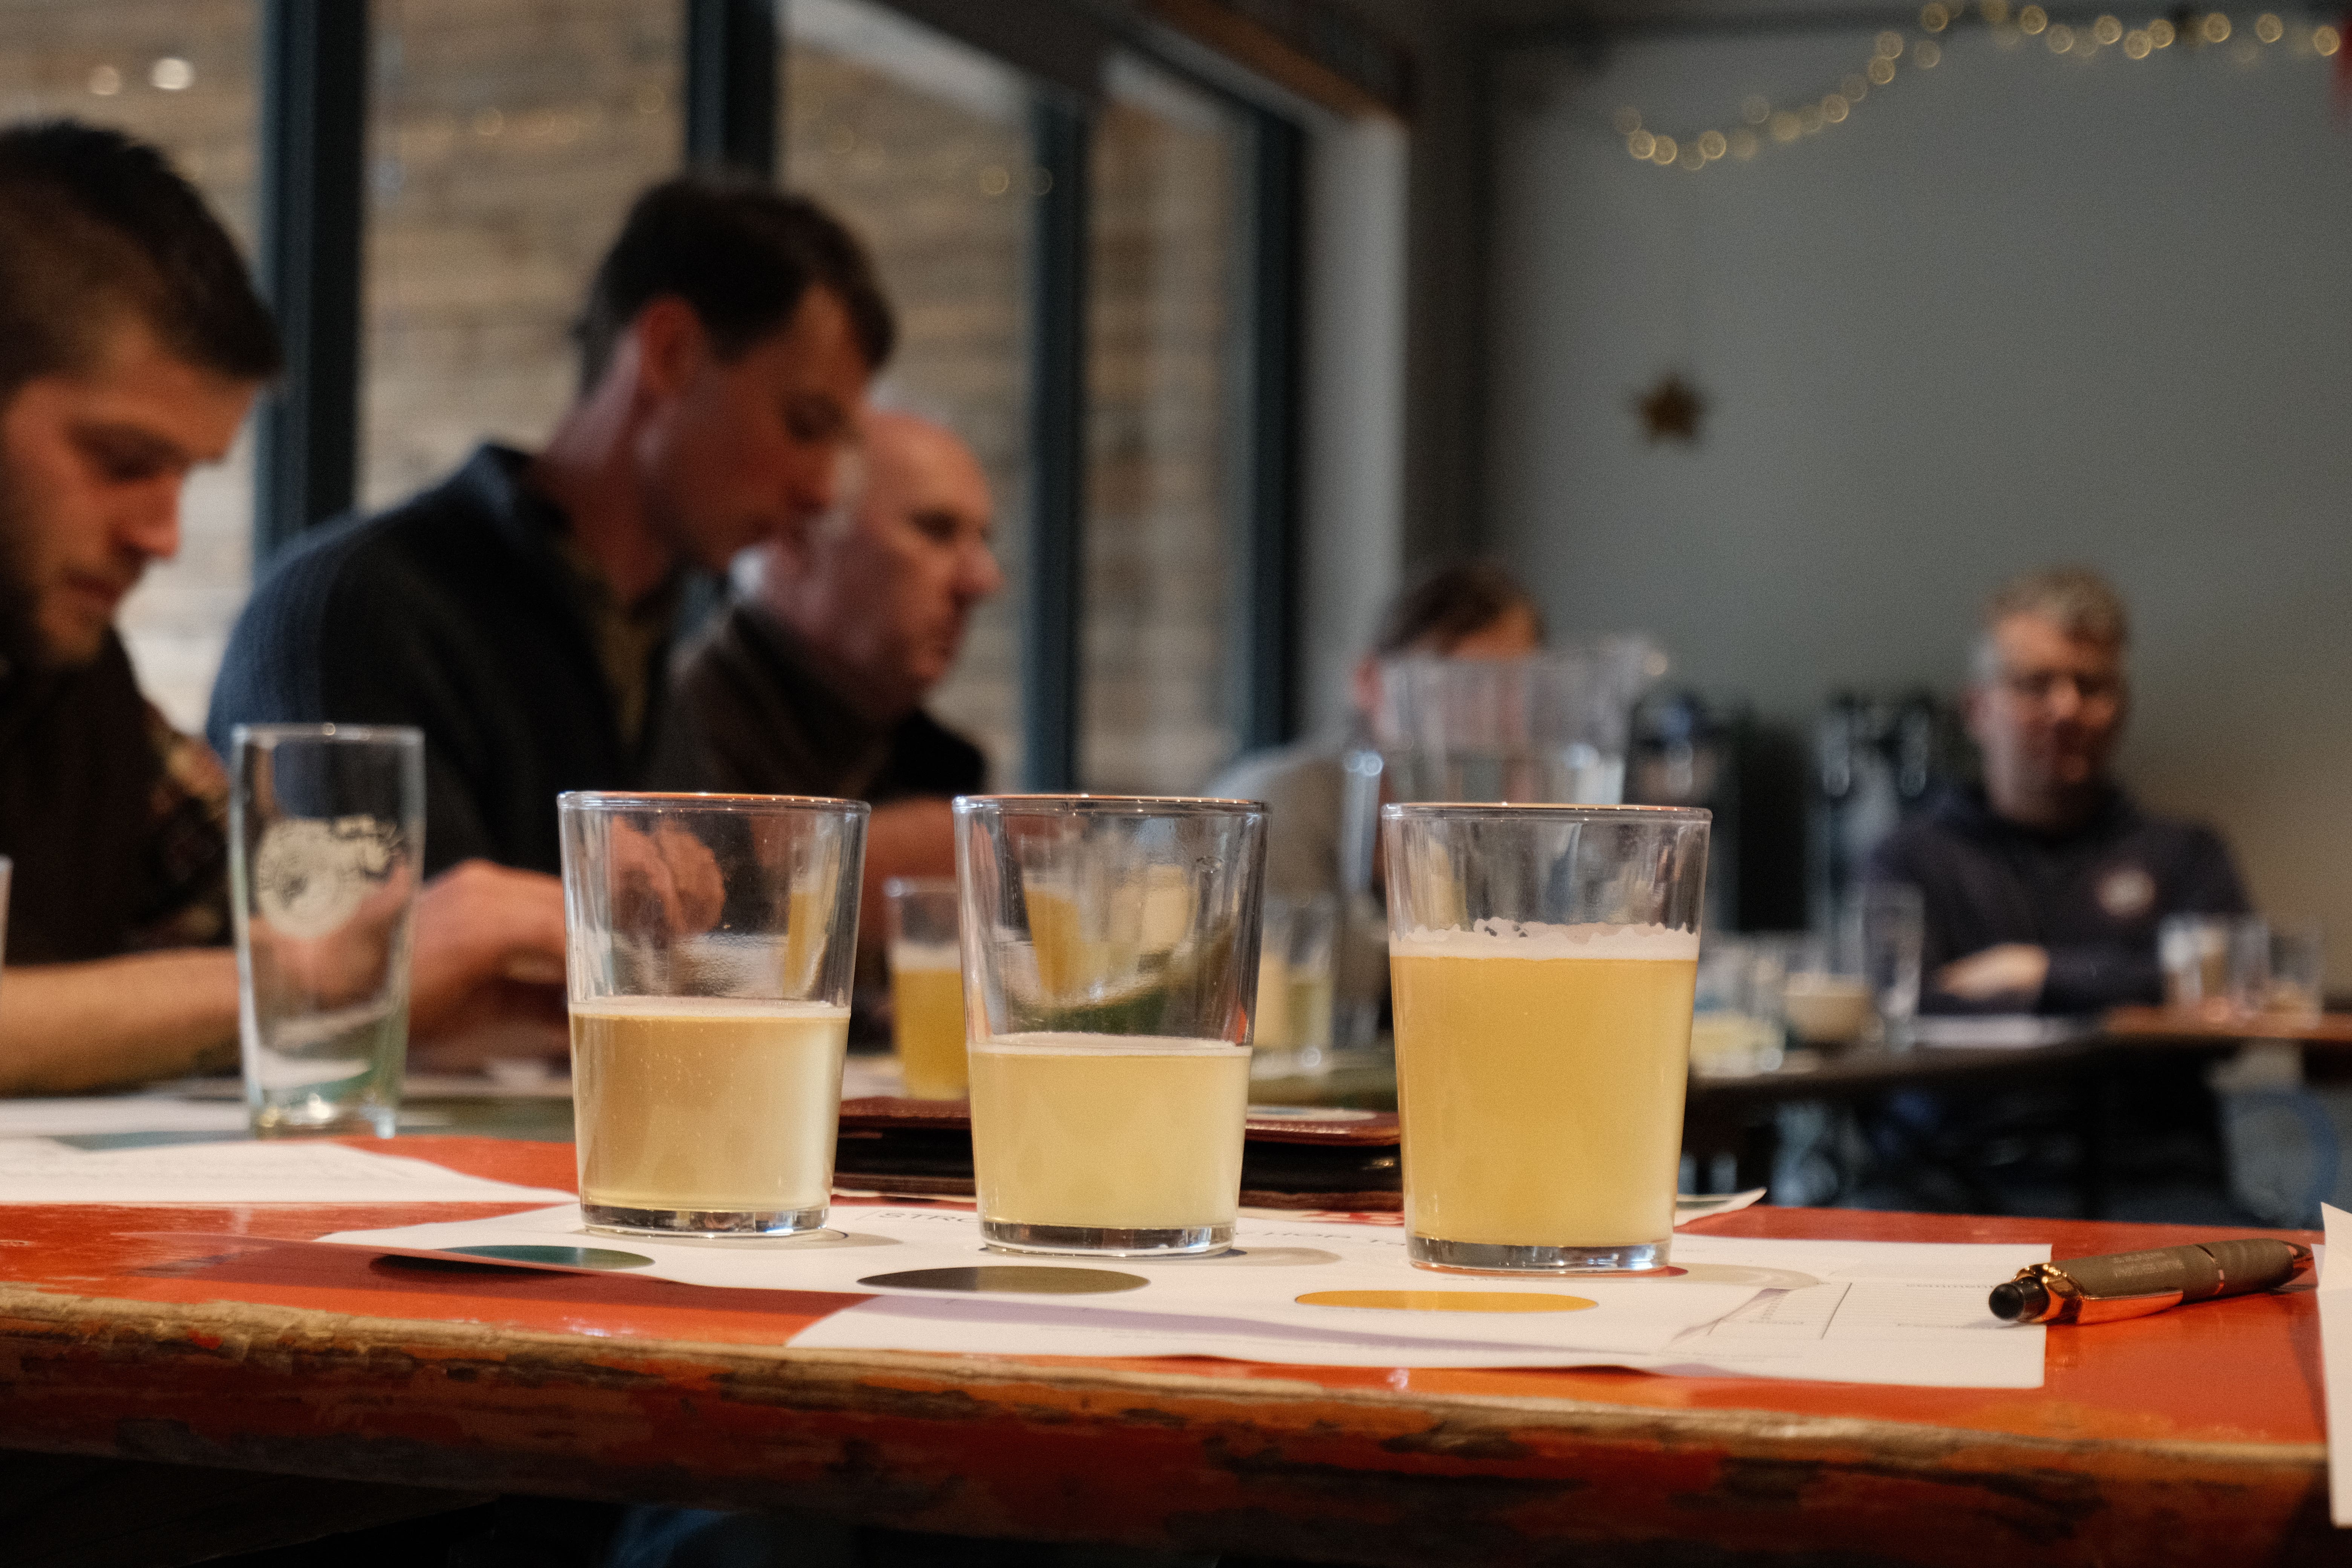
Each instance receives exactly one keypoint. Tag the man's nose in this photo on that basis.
(2065, 699)
(148, 524)
(980, 576)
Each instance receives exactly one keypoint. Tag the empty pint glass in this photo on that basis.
(326, 853)
(1543, 960)
(1110, 960)
(710, 943)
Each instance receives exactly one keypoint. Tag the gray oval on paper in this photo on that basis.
(1011, 1280)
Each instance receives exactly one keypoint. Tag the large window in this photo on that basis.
(1163, 372)
(179, 73)
(922, 146)
(507, 138)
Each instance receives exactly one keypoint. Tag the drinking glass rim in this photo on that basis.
(1399, 810)
(1083, 804)
(711, 800)
(402, 734)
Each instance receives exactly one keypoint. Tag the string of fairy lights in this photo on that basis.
(1764, 123)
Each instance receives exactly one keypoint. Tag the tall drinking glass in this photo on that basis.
(1890, 929)
(927, 986)
(326, 853)
(710, 944)
(1110, 960)
(1543, 960)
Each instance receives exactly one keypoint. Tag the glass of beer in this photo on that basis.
(927, 986)
(1111, 952)
(711, 939)
(1543, 960)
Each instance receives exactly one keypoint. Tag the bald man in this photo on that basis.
(814, 680)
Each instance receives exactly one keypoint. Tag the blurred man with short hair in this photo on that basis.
(131, 345)
(520, 613)
(2044, 887)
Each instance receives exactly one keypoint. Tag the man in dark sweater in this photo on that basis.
(520, 613)
(2043, 888)
(131, 347)
(813, 682)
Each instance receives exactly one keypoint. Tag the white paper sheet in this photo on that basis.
(1904, 1312)
(1241, 1304)
(98, 1115)
(2336, 1357)
(33, 1171)
(1848, 1311)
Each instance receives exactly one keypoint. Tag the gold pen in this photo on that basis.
(2133, 1284)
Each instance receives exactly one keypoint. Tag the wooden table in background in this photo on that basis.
(2191, 1437)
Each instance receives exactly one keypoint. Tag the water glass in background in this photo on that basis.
(1736, 1027)
(1889, 923)
(927, 986)
(1113, 949)
(2298, 970)
(1545, 960)
(326, 854)
(2216, 966)
(711, 939)
(1291, 1032)
(1552, 727)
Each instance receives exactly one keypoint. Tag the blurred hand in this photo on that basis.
(668, 881)
(2012, 969)
(486, 971)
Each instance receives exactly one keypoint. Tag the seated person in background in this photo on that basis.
(520, 613)
(813, 682)
(131, 347)
(2043, 888)
(1467, 610)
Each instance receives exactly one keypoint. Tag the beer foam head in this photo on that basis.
(1534, 938)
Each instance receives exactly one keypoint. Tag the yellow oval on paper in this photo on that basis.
(1448, 1300)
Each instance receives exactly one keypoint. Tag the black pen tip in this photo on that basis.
(2018, 1299)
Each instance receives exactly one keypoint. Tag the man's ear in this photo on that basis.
(672, 346)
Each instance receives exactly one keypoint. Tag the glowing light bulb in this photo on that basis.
(1833, 108)
(1934, 17)
(1925, 56)
(1786, 127)
(171, 74)
(2136, 43)
(1809, 117)
(1641, 144)
(2033, 20)
(2107, 30)
(2327, 40)
(1890, 45)
(2216, 28)
(1743, 144)
(1854, 88)
(105, 81)
(2060, 38)
(1664, 151)
(1628, 119)
(1881, 70)
(2269, 29)
(2160, 33)
(1692, 157)
(1995, 11)
(1712, 145)
(1755, 109)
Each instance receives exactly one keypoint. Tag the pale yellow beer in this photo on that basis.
(1541, 1084)
(927, 1018)
(1113, 1132)
(706, 1102)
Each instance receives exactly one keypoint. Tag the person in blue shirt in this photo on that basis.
(2042, 888)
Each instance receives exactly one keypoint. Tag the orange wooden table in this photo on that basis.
(2191, 1437)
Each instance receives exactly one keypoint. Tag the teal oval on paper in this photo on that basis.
(561, 1257)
